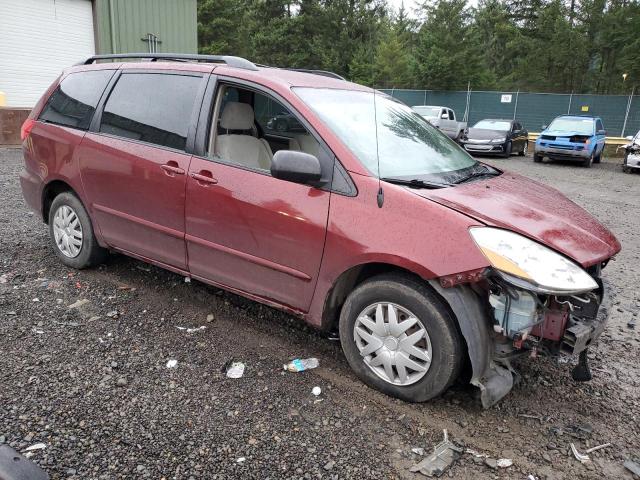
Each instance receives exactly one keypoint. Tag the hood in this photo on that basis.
(483, 134)
(527, 207)
(565, 133)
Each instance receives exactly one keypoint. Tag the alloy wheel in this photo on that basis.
(393, 343)
(67, 231)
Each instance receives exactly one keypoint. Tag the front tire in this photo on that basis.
(587, 162)
(72, 234)
(598, 157)
(537, 158)
(399, 337)
(507, 150)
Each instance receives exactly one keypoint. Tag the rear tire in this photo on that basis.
(72, 234)
(524, 150)
(411, 299)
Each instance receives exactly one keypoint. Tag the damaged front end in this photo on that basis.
(503, 315)
(501, 321)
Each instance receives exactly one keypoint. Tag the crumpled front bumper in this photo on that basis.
(563, 153)
(584, 330)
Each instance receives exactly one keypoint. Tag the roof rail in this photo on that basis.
(231, 61)
(324, 73)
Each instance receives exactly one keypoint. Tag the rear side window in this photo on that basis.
(73, 103)
(151, 107)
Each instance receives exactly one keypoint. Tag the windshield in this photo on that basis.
(427, 111)
(408, 146)
(493, 125)
(582, 126)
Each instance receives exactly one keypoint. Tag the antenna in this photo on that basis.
(375, 119)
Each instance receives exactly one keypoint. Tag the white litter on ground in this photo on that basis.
(172, 363)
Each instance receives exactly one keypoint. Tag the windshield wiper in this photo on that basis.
(415, 183)
(477, 173)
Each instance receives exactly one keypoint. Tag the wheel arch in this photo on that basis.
(50, 191)
(346, 282)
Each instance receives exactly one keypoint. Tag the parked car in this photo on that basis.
(632, 154)
(442, 118)
(285, 122)
(422, 259)
(496, 137)
(570, 137)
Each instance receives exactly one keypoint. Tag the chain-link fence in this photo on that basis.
(620, 113)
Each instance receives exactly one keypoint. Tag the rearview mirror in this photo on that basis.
(444, 116)
(295, 166)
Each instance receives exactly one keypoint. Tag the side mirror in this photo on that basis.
(544, 127)
(629, 137)
(295, 166)
(602, 132)
(444, 116)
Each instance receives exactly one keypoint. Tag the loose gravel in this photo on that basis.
(85, 355)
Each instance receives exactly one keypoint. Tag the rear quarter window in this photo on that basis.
(74, 102)
(152, 108)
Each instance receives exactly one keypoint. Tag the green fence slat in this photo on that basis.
(533, 109)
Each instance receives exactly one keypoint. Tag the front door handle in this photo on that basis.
(204, 177)
(172, 168)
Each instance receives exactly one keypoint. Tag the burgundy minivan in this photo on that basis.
(325, 199)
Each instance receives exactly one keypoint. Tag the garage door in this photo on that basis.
(38, 39)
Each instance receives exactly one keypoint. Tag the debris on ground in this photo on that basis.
(579, 456)
(584, 457)
(187, 279)
(300, 365)
(113, 314)
(36, 446)
(504, 462)
(540, 418)
(210, 318)
(192, 330)
(241, 460)
(633, 467)
(582, 432)
(78, 303)
(316, 391)
(444, 455)
(172, 363)
(418, 451)
(234, 369)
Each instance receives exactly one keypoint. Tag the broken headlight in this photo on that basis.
(530, 265)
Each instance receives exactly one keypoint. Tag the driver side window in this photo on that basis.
(249, 127)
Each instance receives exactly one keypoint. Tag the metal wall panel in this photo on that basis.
(123, 24)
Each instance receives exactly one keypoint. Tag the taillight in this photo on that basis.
(25, 130)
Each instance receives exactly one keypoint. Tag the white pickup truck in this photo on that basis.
(443, 118)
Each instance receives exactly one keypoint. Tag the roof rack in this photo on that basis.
(324, 73)
(231, 61)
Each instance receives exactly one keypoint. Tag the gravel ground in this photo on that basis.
(91, 382)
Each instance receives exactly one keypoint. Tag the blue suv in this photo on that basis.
(571, 137)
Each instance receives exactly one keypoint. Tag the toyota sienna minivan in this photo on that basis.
(364, 220)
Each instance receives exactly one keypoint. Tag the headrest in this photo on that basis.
(237, 116)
